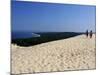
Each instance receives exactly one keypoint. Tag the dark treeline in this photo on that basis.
(45, 37)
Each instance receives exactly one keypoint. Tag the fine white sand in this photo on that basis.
(74, 53)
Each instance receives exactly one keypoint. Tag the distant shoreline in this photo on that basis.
(45, 37)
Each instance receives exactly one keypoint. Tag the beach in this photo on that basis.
(75, 53)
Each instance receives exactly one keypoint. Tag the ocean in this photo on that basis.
(20, 35)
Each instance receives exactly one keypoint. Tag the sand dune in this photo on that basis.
(67, 54)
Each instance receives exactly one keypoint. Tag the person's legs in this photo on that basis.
(91, 35)
(86, 35)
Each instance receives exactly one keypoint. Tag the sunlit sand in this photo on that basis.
(74, 53)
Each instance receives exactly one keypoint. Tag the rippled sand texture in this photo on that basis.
(74, 53)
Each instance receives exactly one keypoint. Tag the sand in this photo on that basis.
(76, 53)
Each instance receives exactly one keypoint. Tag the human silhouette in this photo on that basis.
(87, 33)
(91, 34)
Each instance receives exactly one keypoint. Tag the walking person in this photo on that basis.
(91, 34)
(87, 33)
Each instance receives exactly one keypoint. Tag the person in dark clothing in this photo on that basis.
(87, 33)
(91, 34)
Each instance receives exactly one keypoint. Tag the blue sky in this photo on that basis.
(52, 17)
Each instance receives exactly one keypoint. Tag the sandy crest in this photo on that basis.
(67, 54)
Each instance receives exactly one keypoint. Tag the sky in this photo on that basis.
(52, 17)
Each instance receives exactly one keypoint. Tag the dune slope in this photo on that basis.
(68, 54)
